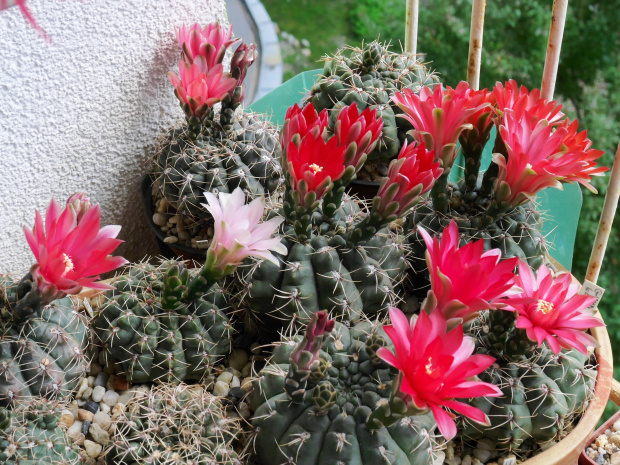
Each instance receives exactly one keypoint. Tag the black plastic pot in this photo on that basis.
(364, 189)
(167, 250)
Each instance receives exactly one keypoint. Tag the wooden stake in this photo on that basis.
(475, 43)
(411, 32)
(606, 222)
(554, 45)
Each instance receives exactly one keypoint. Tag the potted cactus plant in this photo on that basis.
(214, 151)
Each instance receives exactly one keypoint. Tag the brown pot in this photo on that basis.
(583, 458)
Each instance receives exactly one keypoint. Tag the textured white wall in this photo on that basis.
(80, 114)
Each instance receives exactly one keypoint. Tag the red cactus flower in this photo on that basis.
(512, 97)
(72, 252)
(465, 280)
(299, 122)
(4, 4)
(411, 175)
(541, 157)
(200, 87)
(363, 129)
(439, 116)
(210, 42)
(437, 367)
(551, 310)
(314, 165)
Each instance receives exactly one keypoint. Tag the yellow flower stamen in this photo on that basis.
(429, 366)
(316, 168)
(544, 306)
(68, 264)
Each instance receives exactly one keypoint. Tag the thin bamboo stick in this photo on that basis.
(475, 43)
(606, 222)
(554, 45)
(411, 32)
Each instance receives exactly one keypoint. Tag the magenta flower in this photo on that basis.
(550, 310)
(319, 326)
(439, 116)
(238, 232)
(200, 87)
(71, 251)
(518, 99)
(437, 367)
(210, 42)
(411, 175)
(466, 280)
(363, 129)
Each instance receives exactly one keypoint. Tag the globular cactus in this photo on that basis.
(325, 421)
(368, 77)
(44, 354)
(152, 329)
(247, 156)
(175, 424)
(543, 392)
(30, 434)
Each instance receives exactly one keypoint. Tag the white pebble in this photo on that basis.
(159, 219)
(225, 377)
(102, 419)
(91, 381)
(235, 382)
(126, 396)
(104, 408)
(110, 398)
(440, 457)
(98, 393)
(482, 455)
(92, 448)
(221, 389)
(237, 359)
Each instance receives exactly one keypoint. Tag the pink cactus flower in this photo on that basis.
(512, 97)
(363, 129)
(410, 176)
(439, 116)
(200, 87)
(4, 4)
(238, 232)
(319, 326)
(298, 122)
(541, 157)
(437, 367)
(550, 310)
(466, 280)
(71, 250)
(210, 42)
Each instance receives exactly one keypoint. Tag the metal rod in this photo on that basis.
(554, 45)
(606, 222)
(475, 43)
(411, 31)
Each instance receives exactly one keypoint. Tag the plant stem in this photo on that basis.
(439, 193)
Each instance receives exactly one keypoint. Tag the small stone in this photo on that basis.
(508, 460)
(210, 231)
(171, 240)
(440, 457)
(615, 459)
(616, 426)
(110, 398)
(73, 407)
(118, 410)
(175, 219)
(101, 379)
(103, 420)
(75, 430)
(591, 453)
(601, 441)
(450, 451)
(99, 435)
(98, 393)
(126, 396)
(246, 384)
(235, 383)
(184, 235)
(485, 444)
(81, 402)
(456, 460)
(92, 448)
(85, 415)
(121, 383)
(221, 389)
(225, 377)
(95, 369)
(91, 381)
(105, 408)
(466, 460)
(244, 410)
(615, 439)
(91, 406)
(236, 393)
(246, 370)
(237, 359)
(600, 459)
(234, 371)
(483, 455)
(159, 219)
(87, 393)
(109, 385)
(66, 418)
(82, 388)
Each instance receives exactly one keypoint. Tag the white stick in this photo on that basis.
(554, 45)
(606, 222)
(475, 43)
(411, 32)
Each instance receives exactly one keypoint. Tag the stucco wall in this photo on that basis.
(81, 113)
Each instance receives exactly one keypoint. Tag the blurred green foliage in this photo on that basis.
(514, 45)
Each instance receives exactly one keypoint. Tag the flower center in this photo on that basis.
(429, 366)
(544, 306)
(316, 168)
(68, 264)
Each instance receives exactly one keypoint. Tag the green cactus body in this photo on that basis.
(151, 342)
(369, 77)
(543, 392)
(31, 435)
(174, 424)
(246, 155)
(328, 425)
(44, 355)
(325, 274)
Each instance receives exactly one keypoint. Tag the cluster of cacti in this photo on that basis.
(175, 424)
(313, 399)
(209, 152)
(30, 434)
(154, 331)
(369, 77)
